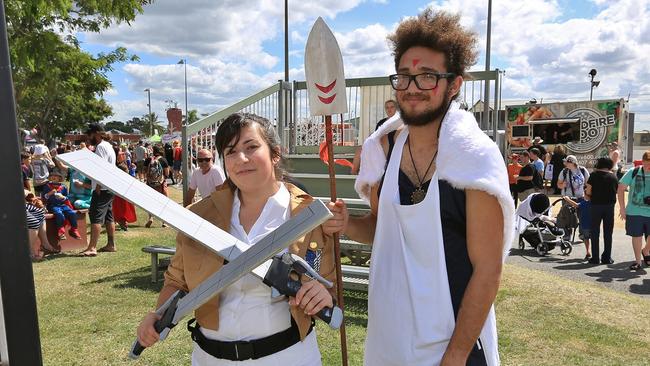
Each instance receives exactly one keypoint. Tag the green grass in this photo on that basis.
(89, 309)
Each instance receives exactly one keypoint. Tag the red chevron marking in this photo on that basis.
(327, 100)
(326, 89)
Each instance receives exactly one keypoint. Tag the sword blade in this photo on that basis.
(256, 256)
(150, 200)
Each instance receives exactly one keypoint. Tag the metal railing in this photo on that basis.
(366, 98)
(268, 103)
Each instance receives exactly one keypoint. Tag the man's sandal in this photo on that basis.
(635, 267)
(646, 259)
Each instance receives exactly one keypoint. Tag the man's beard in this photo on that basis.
(427, 116)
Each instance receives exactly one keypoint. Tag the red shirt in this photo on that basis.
(177, 154)
(513, 169)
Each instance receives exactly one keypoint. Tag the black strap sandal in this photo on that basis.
(646, 259)
(635, 267)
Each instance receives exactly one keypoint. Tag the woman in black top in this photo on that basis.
(601, 189)
(557, 159)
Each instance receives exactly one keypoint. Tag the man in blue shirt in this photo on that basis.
(537, 162)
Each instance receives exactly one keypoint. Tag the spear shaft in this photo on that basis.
(337, 244)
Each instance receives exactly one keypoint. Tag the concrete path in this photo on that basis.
(616, 276)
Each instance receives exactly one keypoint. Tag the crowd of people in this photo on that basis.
(53, 188)
(593, 195)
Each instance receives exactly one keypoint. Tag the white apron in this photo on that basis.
(410, 313)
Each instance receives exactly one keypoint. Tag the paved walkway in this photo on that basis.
(616, 276)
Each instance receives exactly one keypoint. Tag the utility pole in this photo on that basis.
(286, 40)
(486, 100)
(149, 105)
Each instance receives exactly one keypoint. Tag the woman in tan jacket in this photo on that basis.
(250, 204)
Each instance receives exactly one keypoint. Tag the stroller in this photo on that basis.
(541, 233)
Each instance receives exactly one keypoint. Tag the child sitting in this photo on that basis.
(584, 215)
(56, 199)
(35, 211)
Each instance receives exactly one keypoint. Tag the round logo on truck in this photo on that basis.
(593, 129)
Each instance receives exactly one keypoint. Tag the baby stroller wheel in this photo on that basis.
(566, 247)
(542, 249)
(521, 243)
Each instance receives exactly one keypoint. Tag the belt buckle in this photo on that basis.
(244, 351)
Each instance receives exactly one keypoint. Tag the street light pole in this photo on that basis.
(185, 155)
(149, 105)
(594, 84)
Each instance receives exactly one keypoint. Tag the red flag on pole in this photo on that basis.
(324, 156)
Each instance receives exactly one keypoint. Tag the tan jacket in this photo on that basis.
(193, 262)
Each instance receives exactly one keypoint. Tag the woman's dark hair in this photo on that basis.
(158, 150)
(539, 203)
(604, 163)
(230, 130)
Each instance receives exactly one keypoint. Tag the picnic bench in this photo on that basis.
(354, 277)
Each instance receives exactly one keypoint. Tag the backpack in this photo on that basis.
(567, 218)
(155, 176)
(566, 172)
(538, 181)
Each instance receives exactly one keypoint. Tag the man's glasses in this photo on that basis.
(203, 160)
(424, 81)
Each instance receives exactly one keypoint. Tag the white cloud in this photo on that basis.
(365, 51)
(545, 55)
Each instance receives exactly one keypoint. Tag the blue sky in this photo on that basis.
(546, 47)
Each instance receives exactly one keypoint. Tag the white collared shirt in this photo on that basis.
(246, 309)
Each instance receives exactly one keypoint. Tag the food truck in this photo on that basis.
(584, 128)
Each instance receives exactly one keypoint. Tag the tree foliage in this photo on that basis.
(193, 116)
(59, 87)
(118, 125)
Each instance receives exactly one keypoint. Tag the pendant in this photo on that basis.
(418, 195)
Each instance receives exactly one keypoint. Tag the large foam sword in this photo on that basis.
(326, 91)
(282, 274)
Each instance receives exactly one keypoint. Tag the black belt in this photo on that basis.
(244, 350)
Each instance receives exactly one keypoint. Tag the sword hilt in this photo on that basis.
(164, 324)
(280, 278)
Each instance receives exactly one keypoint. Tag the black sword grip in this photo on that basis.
(137, 348)
(332, 316)
(165, 321)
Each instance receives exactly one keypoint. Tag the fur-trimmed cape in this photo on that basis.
(467, 159)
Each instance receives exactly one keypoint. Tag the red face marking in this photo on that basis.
(415, 62)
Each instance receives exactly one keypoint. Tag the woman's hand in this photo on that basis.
(147, 335)
(312, 298)
(621, 213)
(338, 223)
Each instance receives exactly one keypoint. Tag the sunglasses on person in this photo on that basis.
(424, 81)
(203, 160)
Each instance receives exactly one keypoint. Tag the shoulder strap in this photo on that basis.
(636, 171)
(391, 145)
(583, 170)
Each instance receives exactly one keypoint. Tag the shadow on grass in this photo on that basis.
(139, 278)
(356, 308)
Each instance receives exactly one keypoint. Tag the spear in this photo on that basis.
(326, 91)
